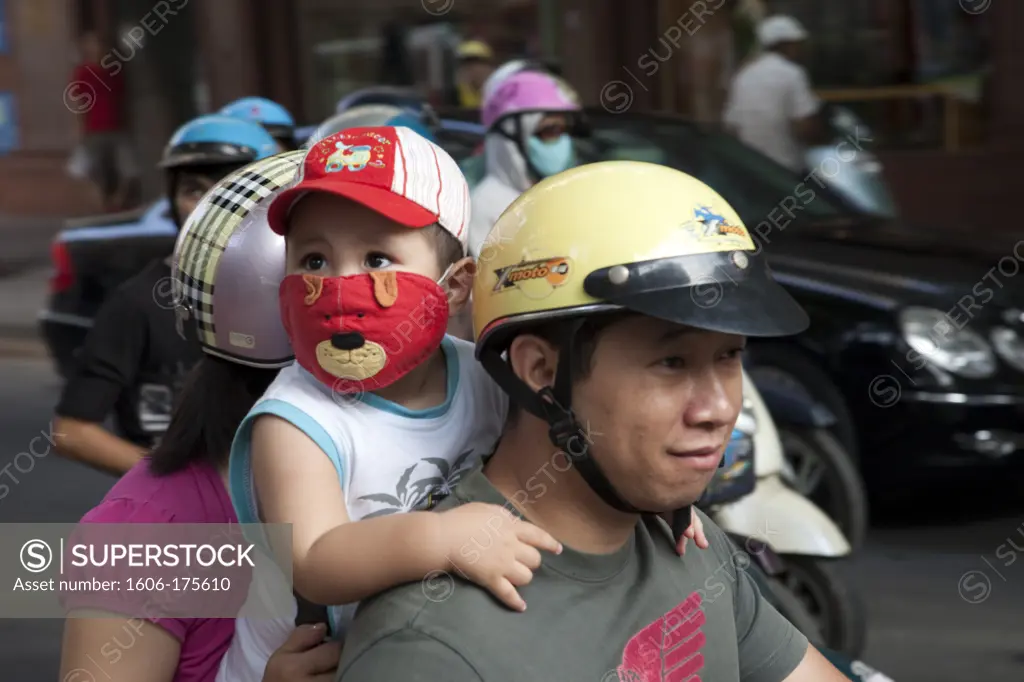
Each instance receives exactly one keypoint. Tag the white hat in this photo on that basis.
(780, 29)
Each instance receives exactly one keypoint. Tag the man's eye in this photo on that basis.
(735, 354)
(673, 362)
(377, 261)
(314, 261)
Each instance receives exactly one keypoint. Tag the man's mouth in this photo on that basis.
(702, 459)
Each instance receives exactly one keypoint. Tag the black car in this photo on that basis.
(90, 258)
(916, 342)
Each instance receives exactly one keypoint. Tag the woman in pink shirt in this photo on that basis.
(184, 478)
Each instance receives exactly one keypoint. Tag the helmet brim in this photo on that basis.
(731, 292)
(207, 154)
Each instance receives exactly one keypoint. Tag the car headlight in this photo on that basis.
(958, 350)
(1009, 345)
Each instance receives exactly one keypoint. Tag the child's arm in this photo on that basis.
(335, 561)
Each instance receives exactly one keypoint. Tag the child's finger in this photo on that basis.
(506, 592)
(690, 532)
(681, 546)
(519, 575)
(528, 556)
(541, 539)
(702, 540)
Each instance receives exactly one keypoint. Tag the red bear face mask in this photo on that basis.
(363, 332)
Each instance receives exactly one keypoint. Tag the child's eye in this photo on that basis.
(313, 262)
(377, 261)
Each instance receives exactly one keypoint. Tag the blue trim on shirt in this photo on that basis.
(240, 466)
(451, 356)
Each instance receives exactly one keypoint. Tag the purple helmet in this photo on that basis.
(228, 265)
(528, 92)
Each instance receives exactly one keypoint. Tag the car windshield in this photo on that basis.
(752, 183)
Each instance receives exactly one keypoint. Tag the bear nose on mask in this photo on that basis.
(348, 341)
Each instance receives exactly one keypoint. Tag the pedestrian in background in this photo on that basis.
(770, 105)
(108, 156)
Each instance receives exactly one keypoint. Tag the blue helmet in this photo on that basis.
(269, 114)
(215, 141)
(414, 122)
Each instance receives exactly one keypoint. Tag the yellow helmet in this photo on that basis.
(475, 49)
(626, 235)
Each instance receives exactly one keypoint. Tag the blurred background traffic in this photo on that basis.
(899, 414)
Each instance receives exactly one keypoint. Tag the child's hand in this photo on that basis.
(695, 532)
(494, 548)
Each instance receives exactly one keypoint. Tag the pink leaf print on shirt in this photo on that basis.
(667, 650)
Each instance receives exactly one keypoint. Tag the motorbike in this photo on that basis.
(815, 463)
(786, 535)
(860, 179)
(784, 601)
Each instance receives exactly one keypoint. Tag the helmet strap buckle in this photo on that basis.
(564, 430)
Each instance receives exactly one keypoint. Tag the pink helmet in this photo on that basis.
(528, 92)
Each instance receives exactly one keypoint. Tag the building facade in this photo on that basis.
(940, 87)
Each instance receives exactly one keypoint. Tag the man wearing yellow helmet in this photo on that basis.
(613, 309)
(476, 62)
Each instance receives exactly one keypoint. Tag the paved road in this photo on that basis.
(922, 630)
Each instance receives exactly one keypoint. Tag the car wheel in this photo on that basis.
(824, 472)
(835, 605)
(800, 369)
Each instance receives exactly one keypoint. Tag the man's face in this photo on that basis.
(660, 404)
(189, 190)
(474, 72)
(795, 51)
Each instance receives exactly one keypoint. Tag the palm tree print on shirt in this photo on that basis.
(419, 494)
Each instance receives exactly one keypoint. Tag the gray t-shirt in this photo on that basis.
(640, 614)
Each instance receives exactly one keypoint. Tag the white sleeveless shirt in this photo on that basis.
(389, 459)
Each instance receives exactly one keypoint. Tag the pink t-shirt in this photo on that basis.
(194, 495)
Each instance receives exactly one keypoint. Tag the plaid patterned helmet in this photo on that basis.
(228, 265)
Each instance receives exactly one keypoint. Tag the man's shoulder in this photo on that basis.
(144, 292)
(437, 608)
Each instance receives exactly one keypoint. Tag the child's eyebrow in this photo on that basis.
(308, 240)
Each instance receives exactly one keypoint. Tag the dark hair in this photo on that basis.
(449, 250)
(213, 401)
(585, 343)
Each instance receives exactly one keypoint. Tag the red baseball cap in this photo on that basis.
(391, 170)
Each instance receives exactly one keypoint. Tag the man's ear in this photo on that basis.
(534, 360)
(459, 283)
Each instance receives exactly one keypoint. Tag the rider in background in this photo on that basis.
(530, 119)
(274, 118)
(476, 62)
(133, 360)
(183, 480)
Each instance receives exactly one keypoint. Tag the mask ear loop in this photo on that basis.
(442, 281)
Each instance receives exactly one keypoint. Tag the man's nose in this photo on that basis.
(348, 341)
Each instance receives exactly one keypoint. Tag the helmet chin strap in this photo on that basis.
(553, 405)
(172, 191)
